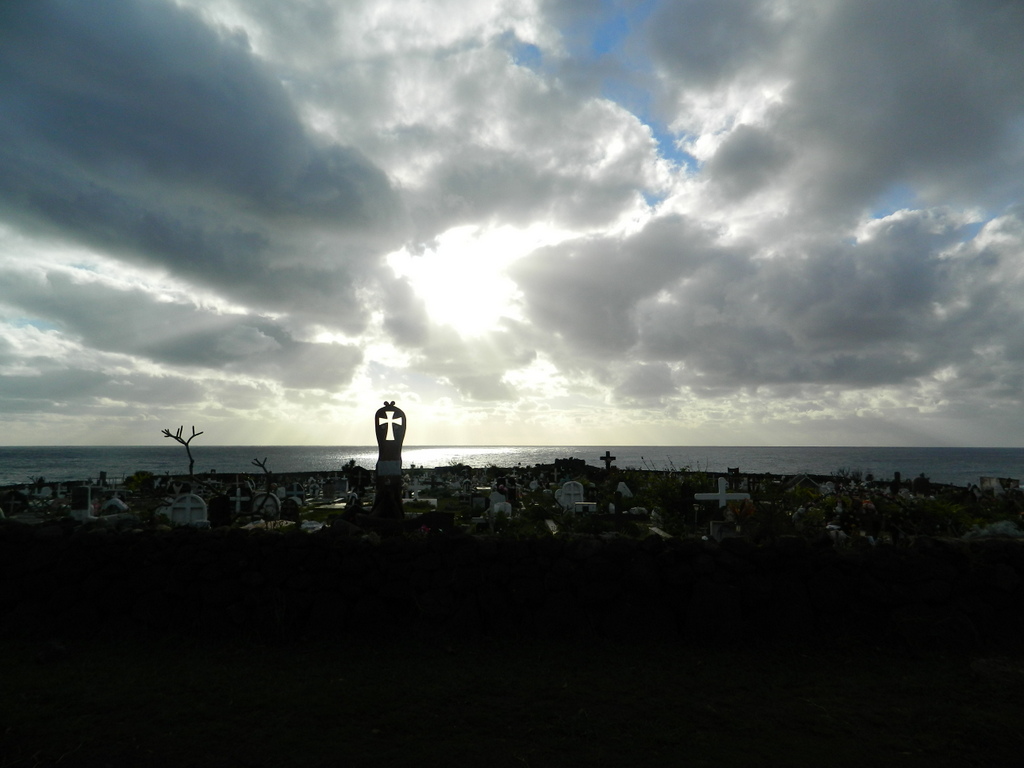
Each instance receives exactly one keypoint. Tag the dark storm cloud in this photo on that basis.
(869, 95)
(585, 292)
(405, 317)
(136, 128)
(903, 304)
(748, 160)
(178, 335)
(28, 393)
(61, 389)
(705, 43)
(918, 91)
(482, 184)
(646, 383)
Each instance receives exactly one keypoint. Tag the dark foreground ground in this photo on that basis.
(161, 702)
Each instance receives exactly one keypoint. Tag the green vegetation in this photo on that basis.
(419, 702)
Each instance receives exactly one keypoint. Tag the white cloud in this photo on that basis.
(642, 222)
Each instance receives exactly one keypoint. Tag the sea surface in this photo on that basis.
(954, 466)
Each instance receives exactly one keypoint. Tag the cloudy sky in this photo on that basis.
(526, 221)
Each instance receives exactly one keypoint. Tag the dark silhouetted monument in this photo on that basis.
(389, 423)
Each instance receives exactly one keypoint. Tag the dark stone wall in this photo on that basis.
(936, 593)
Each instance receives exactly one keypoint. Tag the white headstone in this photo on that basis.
(569, 494)
(266, 505)
(501, 507)
(113, 506)
(187, 509)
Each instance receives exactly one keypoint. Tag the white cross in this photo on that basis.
(723, 497)
(184, 506)
(238, 498)
(389, 418)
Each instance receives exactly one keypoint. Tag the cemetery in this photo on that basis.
(562, 549)
(373, 610)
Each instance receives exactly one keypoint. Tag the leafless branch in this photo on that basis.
(177, 436)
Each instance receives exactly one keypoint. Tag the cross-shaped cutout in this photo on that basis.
(390, 419)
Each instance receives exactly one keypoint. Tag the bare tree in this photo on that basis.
(177, 436)
(269, 481)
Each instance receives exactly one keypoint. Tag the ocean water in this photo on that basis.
(955, 466)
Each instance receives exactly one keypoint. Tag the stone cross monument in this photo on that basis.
(389, 423)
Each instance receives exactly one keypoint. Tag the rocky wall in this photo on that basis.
(935, 593)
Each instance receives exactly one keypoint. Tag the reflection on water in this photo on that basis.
(959, 466)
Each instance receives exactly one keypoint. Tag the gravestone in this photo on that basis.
(12, 503)
(569, 494)
(719, 529)
(722, 529)
(83, 505)
(500, 508)
(218, 511)
(330, 491)
(113, 506)
(290, 510)
(389, 425)
(479, 499)
(491, 514)
(607, 459)
(584, 508)
(187, 509)
(295, 491)
(241, 499)
(266, 505)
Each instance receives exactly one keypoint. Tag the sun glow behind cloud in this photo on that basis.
(461, 277)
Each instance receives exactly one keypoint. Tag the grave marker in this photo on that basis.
(723, 497)
(241, 499)
(389, 424)
(295, 491)
(218, 511)
(569, 494)
(719, 529)
(187, 509)
(266, 505)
